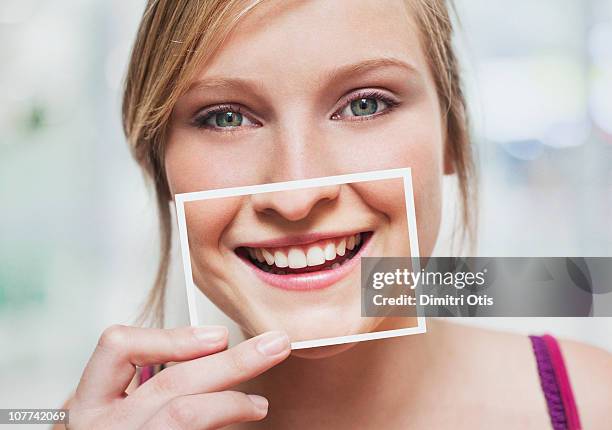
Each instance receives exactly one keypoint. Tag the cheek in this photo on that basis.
(407, 142)
(207, 220)
(192, 164)
(388, 198)
(384, 196)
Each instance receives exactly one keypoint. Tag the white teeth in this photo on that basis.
(315, 256)
(330, 251)
(350, 244)
(269, 257)
(297, 258)
(280, 259)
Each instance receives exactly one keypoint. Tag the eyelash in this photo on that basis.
(202, 117)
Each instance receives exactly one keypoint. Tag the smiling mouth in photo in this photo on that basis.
(322, 255)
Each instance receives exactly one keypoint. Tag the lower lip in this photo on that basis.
(311, 280)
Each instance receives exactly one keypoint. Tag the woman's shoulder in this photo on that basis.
(500, 368)
(504, 365)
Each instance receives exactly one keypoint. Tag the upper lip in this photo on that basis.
(298, 239)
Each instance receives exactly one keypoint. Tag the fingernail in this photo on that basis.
(211, 334)
(259, 402)
(273, 343)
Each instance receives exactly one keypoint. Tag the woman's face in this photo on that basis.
(303, 90)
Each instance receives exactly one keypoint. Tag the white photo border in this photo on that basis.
(405, 173)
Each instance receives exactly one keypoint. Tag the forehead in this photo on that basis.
(305, 40)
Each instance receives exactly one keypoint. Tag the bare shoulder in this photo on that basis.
(590, 373)
(501, 368)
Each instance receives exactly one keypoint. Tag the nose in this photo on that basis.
(301, 151)
(294, 205)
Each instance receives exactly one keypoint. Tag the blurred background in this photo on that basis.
(78, 233)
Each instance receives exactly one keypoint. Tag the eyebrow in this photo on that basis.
(334, 75)
(370, 65)
(237, 84)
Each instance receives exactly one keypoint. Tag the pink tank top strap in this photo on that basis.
(147, 372)
(555, 383)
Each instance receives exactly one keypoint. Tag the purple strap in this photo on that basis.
(555, 383)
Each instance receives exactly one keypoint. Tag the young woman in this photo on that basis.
(224, 93)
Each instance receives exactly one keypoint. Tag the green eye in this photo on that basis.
(364, 106)
(223, 118)
(228, 119)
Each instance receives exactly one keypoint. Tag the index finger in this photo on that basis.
(121, 348)
(216, 372)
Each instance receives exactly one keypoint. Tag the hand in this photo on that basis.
(189, 395)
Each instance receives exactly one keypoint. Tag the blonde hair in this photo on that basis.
(175, 37)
